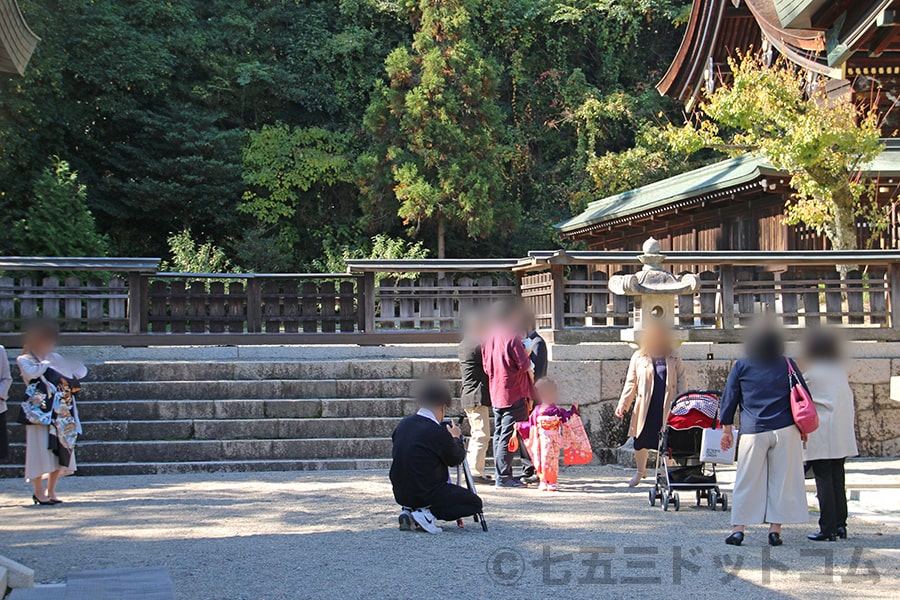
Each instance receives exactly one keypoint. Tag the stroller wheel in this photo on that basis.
(652, 497)
(713, 499)
(677, 499)
(665, 502)
(724, 502)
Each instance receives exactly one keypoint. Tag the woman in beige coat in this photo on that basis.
(655, 378)
(835, 440)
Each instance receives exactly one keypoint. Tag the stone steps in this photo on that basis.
(227, 371)
(244, 408)
(250, 389)
(230, 429)
(204, 450)
(186, 416)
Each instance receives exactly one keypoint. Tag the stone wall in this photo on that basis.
(593, 375)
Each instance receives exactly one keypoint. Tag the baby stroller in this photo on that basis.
(680, 443)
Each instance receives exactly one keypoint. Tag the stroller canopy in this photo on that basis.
(698, 409)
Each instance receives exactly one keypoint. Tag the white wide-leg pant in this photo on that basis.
(769, 486)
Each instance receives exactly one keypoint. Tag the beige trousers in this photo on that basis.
(479, 436)
(769, 486)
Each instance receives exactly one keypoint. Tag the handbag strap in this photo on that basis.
(792, 374)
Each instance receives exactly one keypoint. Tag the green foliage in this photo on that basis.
(651, 159)
(821, 142)
(290, 171)
(190, 257)
(58, 222)
(187, 114)
(380, 246)
(439, 125)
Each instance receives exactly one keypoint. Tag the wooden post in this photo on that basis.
(345, 304)
(236, 301)
(894, 283)
(135, 302)
(558, 298)
(72, 303)
(367, 303)
(7, 304)
(254, 305)
(727, 297)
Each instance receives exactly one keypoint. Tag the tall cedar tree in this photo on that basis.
(437, 127)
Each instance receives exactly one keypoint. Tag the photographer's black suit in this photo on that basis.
(423, 451)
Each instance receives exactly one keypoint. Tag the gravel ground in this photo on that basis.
(334, 535)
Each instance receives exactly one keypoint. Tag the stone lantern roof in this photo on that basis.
(652, 279)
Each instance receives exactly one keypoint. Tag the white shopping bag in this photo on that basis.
(711, 448)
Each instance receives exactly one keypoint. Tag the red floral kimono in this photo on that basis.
(549, 430)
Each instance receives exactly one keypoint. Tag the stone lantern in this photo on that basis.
(654, 291)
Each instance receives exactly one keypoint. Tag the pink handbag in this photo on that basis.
(805, 416)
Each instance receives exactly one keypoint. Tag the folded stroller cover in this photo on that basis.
(693, 418)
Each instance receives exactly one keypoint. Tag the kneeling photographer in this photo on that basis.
(424, 450)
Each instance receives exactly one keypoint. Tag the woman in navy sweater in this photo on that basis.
(769, 486)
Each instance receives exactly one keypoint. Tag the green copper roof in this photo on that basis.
(720, 176)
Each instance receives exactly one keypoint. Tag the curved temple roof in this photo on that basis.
(17, 41)
(717, 28)
(735, 174)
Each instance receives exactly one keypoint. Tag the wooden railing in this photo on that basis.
(432, 302)
(568, 291)
(253, 303)
(126, 301)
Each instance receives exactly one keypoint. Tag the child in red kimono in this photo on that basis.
(543, 432)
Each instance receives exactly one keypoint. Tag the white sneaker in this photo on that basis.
(426, 520)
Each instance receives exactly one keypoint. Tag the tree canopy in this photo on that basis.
(786, 115)
(271, 129)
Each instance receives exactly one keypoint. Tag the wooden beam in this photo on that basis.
(882, 39)
(824, 17)
(894, 287)
(558, 298)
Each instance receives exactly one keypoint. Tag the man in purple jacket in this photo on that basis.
(510, 380)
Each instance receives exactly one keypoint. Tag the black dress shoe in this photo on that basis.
(775, 539)
(735, 539)
(841, 532)
(41, 502)
(822, 537)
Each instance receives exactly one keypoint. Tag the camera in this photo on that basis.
(448, 422)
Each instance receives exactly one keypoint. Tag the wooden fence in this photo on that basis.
(126, 301)
(290, 303)
(432, 302)
(798, 298)
(89, 304)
